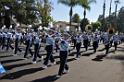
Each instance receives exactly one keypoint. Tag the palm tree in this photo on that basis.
(86, 5)
(116, 6)
(71, 4)
(110, 8)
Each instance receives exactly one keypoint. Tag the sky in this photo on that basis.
(60, 12)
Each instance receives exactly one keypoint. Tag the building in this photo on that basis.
(65, 26)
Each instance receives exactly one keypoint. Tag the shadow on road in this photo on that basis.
(6, 56)
(122, 50)
(21, 73)
(73, 53)
(88, 54)
(3, 52)
(117, 57)
(10, 61)
(112, 51)
(120, 47)
(99, 58)
(15, 65)
(68, 60)
(101, 49)
(46, 79)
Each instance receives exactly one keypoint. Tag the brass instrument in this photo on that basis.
(88, 28)
(111, 30)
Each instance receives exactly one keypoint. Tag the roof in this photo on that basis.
(67, 23)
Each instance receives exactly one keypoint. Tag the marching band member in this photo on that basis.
(95, 42)
(0, 39)
(57, 39)
(78, 45)
(74, 41)
(85, 40)
(29, 40)
(106, 42)
(4, 38)
(89, 39)
(115, 39)
(37, 43)
(50, 43)
(9, 39)
(17, 40)
(64, 48)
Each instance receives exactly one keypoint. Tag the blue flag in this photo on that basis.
(2, 70)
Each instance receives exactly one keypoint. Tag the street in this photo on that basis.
(89, 67)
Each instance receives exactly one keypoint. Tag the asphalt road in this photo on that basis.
(91, 67)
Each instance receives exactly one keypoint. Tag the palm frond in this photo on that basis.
(68, 2)
(65, 2)
(84, 4)
(91, 1)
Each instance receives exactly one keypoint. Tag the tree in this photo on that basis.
(22, 10)
(83, 24)
(96, 25)
(5, 9)
(120, 20)
(44, 10)
(103, 22)
(19, 11)
(71, 4)
(76, 19)
(25, 11)
(111, 19)
(85, 4)
(110, 8)
(116, 7)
